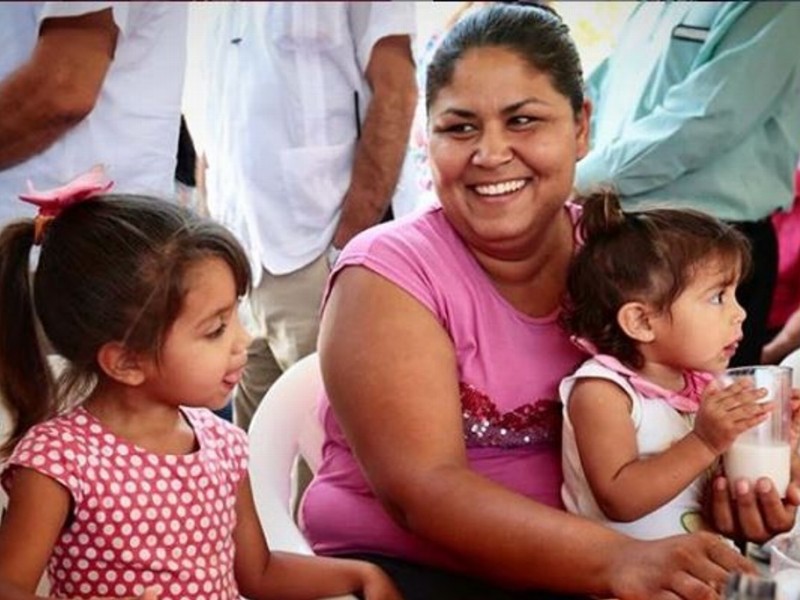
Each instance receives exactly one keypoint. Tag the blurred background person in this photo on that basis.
(308, 117)
(83, 83)
(784, 316)
(699, 105)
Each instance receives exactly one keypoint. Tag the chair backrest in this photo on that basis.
(793, 360)
(284, 426)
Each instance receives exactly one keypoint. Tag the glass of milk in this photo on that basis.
(763, 450)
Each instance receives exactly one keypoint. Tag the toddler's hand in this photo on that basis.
(377, 585)
(725, 413)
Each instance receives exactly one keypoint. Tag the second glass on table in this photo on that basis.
(763, 450)
(784, 564)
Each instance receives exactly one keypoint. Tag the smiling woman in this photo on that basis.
(441, 352)
(503, 145)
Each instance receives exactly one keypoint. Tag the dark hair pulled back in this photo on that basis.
(535, 33)
(110, 269)
(647, 256)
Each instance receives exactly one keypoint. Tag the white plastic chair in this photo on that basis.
(284, 427)
(793, 360)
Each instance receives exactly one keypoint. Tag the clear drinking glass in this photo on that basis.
(784, 564)
(763, 450)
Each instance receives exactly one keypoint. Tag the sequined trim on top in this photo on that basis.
(526, 425)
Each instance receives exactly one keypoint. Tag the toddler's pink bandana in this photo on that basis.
(687, 400)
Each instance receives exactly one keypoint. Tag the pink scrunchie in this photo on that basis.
(52, 202)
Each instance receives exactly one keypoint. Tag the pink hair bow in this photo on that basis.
(687, 400)
(52, 202)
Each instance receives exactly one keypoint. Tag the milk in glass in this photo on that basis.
(763, 450)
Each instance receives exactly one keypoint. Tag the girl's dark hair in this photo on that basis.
(535, 33)
(110, 269)
(648, 256)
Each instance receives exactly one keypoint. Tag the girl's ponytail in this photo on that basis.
(602, 213)
(26, 382)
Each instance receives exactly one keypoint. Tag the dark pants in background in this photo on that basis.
(418, 582)
(755, 292)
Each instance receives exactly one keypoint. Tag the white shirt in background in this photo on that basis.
(281, 119)
(133, 128)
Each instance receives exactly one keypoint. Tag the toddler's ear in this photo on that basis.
(120, 363)
(634, 319)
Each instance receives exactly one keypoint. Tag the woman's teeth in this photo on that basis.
(498, 189)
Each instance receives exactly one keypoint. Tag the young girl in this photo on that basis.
(652, 297)
(138, 486)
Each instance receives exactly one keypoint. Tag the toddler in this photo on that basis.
(652, 298)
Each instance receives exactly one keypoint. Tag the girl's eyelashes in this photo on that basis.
(722, 293)
(218, 331)
(224, 320)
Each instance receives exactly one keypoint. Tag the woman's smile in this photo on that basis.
(503, 147)
(500, 191)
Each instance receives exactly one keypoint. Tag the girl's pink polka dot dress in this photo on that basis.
(140, 519)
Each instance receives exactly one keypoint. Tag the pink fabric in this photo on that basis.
(140, 519)
(786, 298)
(510, 366)
(51, 202)
(687, 400)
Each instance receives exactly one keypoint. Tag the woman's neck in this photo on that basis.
(534, 281)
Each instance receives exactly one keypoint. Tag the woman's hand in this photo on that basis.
(691, 567)
(754, 513)
(377, 585)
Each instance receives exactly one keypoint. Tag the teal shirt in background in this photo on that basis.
(699, 106)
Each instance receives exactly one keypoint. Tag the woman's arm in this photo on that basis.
(391, 374)
(787, 339)
(261, 573)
